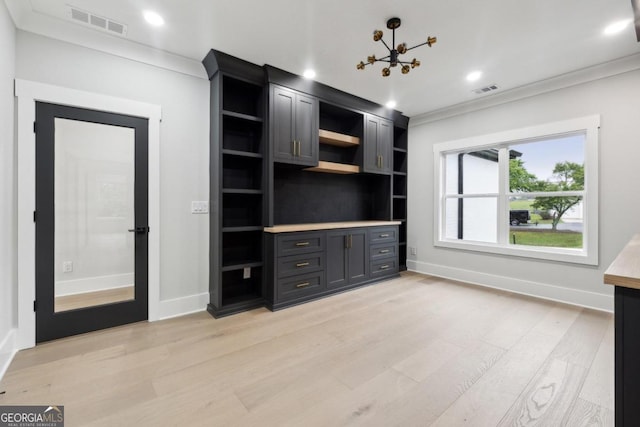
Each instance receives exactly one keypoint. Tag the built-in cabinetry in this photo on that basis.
(237, 157)
(378, 135)
(399, 193)
(293, 120)
(305, 265)
(286, 150)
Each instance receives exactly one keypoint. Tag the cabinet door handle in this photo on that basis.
(302, 244)
(302, 264)
(350, 241)
(293, 148)
(384, 267)
(384, 251)
(303, 285)
(384, 235)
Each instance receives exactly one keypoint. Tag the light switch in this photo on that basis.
(199, 207)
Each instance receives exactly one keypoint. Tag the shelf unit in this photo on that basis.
(337, 168)
(399, 190)
(340, 133)
(237, 150)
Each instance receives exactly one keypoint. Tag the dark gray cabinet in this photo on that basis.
(347, 257)
(294, 127)
(378, 145)
(307, 265)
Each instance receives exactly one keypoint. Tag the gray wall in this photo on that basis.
(184, 136)
(8, 223)
(617, 100)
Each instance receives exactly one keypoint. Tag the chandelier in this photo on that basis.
(393, 57)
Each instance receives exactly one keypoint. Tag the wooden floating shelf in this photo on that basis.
(339, 168)
(338, 139)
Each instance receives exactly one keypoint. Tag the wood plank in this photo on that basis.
(338, 139)
(599, 384)
(288, 228)
(625, 269)
(337, 168)
(408, 351)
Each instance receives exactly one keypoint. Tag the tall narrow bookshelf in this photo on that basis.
(399, 193)
(237, 151)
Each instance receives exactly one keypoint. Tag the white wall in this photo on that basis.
(184, 136)
(8, 242)
(617, 100)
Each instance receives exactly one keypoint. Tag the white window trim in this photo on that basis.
(28, 93)
(589, 253)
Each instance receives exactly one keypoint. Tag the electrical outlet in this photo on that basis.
(246, 273)
(67, 266)
(199, 207)
(414, 251)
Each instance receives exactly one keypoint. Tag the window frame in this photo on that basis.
(588, 254)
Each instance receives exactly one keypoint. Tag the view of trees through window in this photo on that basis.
(546, 184)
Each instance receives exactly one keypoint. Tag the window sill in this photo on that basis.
(566, 255)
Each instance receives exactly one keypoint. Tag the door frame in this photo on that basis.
(28, 92)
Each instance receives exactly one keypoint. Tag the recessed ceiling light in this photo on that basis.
(474, 75)
(616, 27)
(391, 104)
(309, 73)
(153, 18)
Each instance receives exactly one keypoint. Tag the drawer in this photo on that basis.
(300, 243)
(300, 264)
(386, 250)
(384, 267)
(304, 285)
(383, 235)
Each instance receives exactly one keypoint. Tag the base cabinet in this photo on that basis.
(347, 258)
(302, 266)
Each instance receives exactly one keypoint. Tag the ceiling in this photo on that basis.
(513, 42)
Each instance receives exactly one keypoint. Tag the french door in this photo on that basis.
(91, 220)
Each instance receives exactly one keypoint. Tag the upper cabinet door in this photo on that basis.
(294, 127)
(378, 145)
(306, 119)
(282, 125)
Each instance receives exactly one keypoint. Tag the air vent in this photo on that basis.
(485, 89)
(97, 22)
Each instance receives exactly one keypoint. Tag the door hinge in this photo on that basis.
(35, 216)
(35, 305)
(35, 127)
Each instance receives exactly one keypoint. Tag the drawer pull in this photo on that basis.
(302, 244)
(302, 264)
(384, 267)
(303, 285)
(384, 235)
(384, 251)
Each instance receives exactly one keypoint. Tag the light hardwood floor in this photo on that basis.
(91, 299)
(414, 351)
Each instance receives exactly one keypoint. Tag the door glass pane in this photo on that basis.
(94, 209)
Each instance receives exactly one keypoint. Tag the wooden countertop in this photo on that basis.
(625, 269)
(287, 228)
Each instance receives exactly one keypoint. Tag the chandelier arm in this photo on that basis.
(384, 58)
(418, 45)
(385, 45)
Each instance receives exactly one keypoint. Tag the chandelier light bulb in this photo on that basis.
(371, 59)
(386, 72)
(377, 35)
(360, 66)
(415, 63)
(405, 69)
(402, 48)
(431, 40)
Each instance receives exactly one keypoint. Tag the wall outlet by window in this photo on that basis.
(199, 207)
(413, 251)
(67, 266)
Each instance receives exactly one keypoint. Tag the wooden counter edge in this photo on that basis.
(625, 269)
(287, 228)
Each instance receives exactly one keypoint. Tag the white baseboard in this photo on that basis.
(7, 351)
(181, 306)
(94, 284)
(546, 291)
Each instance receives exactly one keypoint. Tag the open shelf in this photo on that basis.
(242, 173)
(242, 98)
(241, 229)
(337, 168)
(241, 210)
(238, 289)
(399, 150)
(241, 134)
(338, 139)
(242, 116)
(240, 191)
(242, 265)
(243, 247)
(241, 153)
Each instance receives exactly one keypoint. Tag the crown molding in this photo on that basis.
(574, 78)
(26, 19)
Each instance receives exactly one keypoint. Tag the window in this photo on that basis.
(529, 192)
